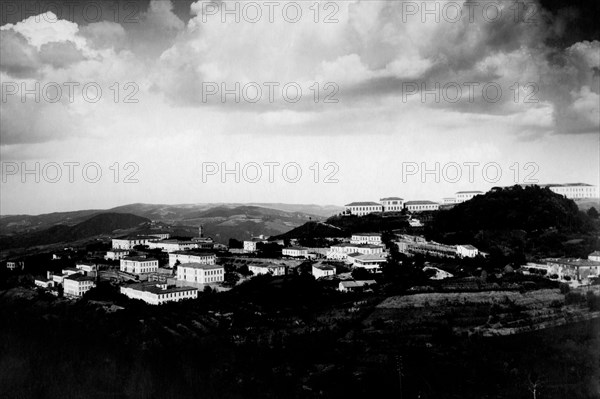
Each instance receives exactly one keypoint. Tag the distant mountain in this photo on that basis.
(104, 223)
(320, 210)
(220, 221)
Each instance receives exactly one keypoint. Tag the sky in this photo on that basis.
(294, 102)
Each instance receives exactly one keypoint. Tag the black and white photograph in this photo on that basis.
(231, 199)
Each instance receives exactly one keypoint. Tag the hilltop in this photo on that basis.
(103, 223)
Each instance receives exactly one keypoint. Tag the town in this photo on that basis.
(381, 270)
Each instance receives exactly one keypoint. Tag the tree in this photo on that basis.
(360, 273)
(231, 279)
(233, 243)
(593, 213)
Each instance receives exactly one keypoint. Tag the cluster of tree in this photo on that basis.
(514, 223)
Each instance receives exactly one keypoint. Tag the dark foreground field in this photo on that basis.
(57, 349)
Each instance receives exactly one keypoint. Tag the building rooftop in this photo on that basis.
(595, 253)
(420, 202)
(297, 248)
(355, 284)
(366, 203)
(469, 192)
(79, 277)
(193, 252)
(467, 246)
(155, 289)
(367, 234)
(194, 265)
(391, 199)
(139, 258)
(372, 257)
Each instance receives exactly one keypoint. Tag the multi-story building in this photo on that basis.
(87, 268)
(466, 251)
(341, 251)
(139, 265)
(574, 190)
(158, 293)
(463, 196)
(371, 262)
(204, 258)
(77, 284)
(200, 273)
(266, 268)
(366, 238)
(295, 252)
(116, 254)
(392, 204)
(319, 271)
(130, 242)
(578, 271)
(421, 205)
(173, 245)
(363, 208)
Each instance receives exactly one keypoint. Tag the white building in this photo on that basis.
(352, 285)
(319, 271)
(371, 262)
(68, 271)
(341, 251)
(363, 208)
(415, 223)
(192, 257)
(275, 270)
(295, 252)
(200, 273)
(15, 265)
(130, 242)
(466, 251)
(574, 190)
(392, 204)
(157, 293)
(366, 238)
(116, 254)
(139, 265)
(595, 256)
(76, 285)
(420, 206)
(449, 200)
(173, 245)
(44, 282)
(89, 269)
(463, 196)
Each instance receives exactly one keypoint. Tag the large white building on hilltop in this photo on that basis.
(363, 208)
(574, 190)
(392, 204)
(463, 196)
(192, 257)
(422, 205)
(158, 293)
(200, 273)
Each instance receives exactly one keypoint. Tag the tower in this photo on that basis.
(200, 231)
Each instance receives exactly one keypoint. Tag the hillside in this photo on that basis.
(345, 226)
(517, 223)
(104, 223)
